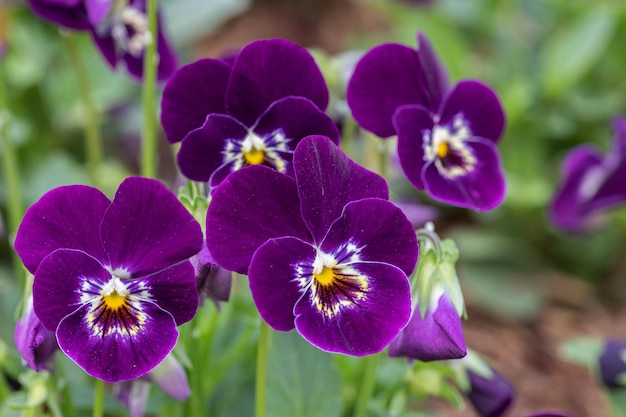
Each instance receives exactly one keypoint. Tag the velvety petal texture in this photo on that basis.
(253, 112)
(592, 183)
(445, 134)
(114, 306)
(492, 396)
(323, 255)
(437, 336)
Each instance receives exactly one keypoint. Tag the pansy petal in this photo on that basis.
(73, 17)
(194, 91)
(251, 206)
(435, 77)
(619, 131)
(568, 209)
(97, 10)
(268, 70)
(66, 217)
(290, 119)
(273, 275)
(368, 322)
(122, 353)
(53, 297)
(380, 232)
(106, 44)
(481, 189)
(412, 123)
(326, 180)
(479, 107)
(202, 151)
(387, 77)
(146, 228)
(174, 290)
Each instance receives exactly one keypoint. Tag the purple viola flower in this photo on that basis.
(612, 363)
(436, 336)
(592, 183)
(36, 344)
(490, 395)
(213, 281)
(446, 136)
(119, 29)
(326, 253)
(112, 278)
(253, 112)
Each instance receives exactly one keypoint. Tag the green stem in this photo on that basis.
(11, 173)
(98, 400)
(149, 145)
(93, 142)
(261, 371)
(383, 155)
(367, 385)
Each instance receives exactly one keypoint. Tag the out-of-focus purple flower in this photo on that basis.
(119, 29)
(36, 344)
(612, 363)
(446, 136)
(169, 375)
(212, 280)
(251, 113)
(418, 214)
(436, 336)
(592, 183)
(112, 278)
(491, 396)
(548, 414)
(322, 255)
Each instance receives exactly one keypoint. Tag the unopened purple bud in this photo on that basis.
(170, 376)
(133, 394)
(437, 336)
(491, 396)
(213, 281)
(35, 343)
(612, 363)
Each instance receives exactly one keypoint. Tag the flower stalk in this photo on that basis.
(93, 141)
(98, 400)
(367, 385)
(261, 370)
(150, 63)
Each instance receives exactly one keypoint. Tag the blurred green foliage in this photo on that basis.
(559, 67)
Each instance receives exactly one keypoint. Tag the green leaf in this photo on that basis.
(575, 48)
(617, 399)
(302, 380)
(582, 350)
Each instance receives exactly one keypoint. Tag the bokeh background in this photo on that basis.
(559, 68)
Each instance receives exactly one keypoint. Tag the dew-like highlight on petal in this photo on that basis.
(445, 147)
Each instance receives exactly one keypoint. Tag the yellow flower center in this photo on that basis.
(254, 156)
(114, 301)
(326, 277)
(442, 149)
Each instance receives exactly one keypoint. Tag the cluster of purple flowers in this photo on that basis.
(118, 28)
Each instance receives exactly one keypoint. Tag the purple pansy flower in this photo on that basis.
(592, 183)
(612, 363)
(436, 336)
(112, 278)
(446, 136)
(251, 113)
(36, 344)
(119, 29)
(490, 395)
(325, 252)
